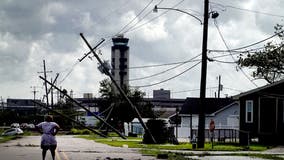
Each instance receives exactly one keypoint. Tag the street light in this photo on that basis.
(175, 9)
(201, 117)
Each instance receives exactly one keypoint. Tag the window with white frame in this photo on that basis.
(249, 111)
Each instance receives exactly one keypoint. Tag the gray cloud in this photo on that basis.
(33, 30)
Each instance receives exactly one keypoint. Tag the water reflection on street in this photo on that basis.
(224, 158)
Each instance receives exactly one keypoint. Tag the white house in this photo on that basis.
(224, 112)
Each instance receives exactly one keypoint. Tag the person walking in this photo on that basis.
(48, 129)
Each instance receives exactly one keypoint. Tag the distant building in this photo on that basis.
(23, 107)
(88, 95)
(120, 60)
(161, 94)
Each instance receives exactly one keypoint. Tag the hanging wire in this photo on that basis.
(223, 39)
(188, 69)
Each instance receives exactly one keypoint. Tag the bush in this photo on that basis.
(86, 131)
(74, 131)
(158, 129)
(79, 131)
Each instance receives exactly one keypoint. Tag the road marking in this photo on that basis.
(57, 155)
(64, 155)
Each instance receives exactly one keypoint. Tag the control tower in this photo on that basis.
(120, 60)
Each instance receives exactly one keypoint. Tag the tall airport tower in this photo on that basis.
(120, 60)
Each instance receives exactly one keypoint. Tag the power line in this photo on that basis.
(237, 51)
(232, 89)
(211, 59)
(125, 26)
(248, 10)
(142, 86)
(132, 28)
(154, 18)
(147, 14)
(70, 71)
(190, 90)
(136, 16)
(156, 74)
(165, 64)
(250, 45)
(223, 39)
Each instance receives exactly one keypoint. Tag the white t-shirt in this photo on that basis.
(48, 129)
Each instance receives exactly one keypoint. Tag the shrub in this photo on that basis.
(86, 131)
(79, 131)
(158, 129)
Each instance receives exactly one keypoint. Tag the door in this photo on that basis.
(267, 116)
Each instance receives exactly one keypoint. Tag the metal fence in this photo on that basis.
(221, 135)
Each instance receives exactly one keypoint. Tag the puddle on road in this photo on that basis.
(22, 145)
(223, 158)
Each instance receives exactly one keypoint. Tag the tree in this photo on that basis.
(122, 111)
(268, 64)
(67, 108)
(159, 131)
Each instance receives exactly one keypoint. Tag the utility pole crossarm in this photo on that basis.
(92, 49)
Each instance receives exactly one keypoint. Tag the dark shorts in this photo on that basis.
(48, 147)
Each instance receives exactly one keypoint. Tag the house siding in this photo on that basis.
(281, 120)
(220, 119)
(248, 128)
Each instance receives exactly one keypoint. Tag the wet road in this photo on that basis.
(69, 148)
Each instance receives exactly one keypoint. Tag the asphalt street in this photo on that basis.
(69, 148)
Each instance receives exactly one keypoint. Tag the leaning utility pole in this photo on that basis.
(80, 105)
(201, 117)
(70, 119)
(106, 71)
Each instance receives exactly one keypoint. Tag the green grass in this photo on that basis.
(4, 139)
(137, 143)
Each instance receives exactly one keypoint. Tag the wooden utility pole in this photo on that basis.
(44, 73)
(46, 93)
(219, 86)
(2, 103)
(34, 91)
(201, 117)
(51, 95)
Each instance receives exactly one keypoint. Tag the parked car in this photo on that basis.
(12, 132)
(31, 126)
(24, 125)
(15, 125)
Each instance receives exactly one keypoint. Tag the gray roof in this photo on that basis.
(258, 89)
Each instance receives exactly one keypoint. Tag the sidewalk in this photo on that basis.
(279, 150)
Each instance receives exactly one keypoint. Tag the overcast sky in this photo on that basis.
(35, 30)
